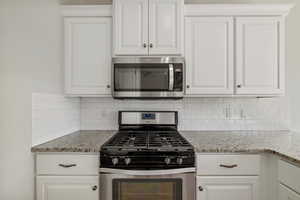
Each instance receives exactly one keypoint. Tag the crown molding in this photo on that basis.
(237, 9)
(87, 10)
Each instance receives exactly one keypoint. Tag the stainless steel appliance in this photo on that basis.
(147, 159)
(148, 77)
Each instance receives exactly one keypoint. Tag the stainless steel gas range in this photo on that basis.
(147, 159)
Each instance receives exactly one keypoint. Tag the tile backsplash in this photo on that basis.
(53, 116)
(194, 113)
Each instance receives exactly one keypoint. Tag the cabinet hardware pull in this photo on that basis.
(188, 86)
(239, 86)
(228, 166)
(151, 45)
(200, 188)
(94, 187)
(67, 166)
(144, 45)
(108, 86)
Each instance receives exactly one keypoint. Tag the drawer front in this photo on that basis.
(66, 164)
(228, 164)
(289, 175)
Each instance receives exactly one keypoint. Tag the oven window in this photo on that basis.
(147, 189)
(141, 77)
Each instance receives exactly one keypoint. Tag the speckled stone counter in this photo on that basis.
(80, 141)
(283, 143)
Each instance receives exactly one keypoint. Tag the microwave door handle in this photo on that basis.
(171, 77)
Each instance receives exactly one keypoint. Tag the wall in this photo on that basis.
(53, 116)
(30, 57)
(194, 113)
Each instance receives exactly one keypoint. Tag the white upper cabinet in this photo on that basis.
(87, 55)
(209, 55)
(130, 27)
(165, 26)
(260, 55)
(235, 49)
(148, 27)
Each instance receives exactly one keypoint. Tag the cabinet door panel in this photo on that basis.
(165, 26)
(130, 27)
(67, 188)
(227, 188)
(209, 55)
(287, 194)
(87, 55)
(260, 59)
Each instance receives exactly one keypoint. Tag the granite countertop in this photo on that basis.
(79, 141)
(283, 143)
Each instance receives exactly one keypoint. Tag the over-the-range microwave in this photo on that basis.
(148, 77)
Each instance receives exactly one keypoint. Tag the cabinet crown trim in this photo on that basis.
(87, 11)
(237, 9)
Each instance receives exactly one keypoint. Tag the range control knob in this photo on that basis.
(127, 161)
(115, 161)
(167, 160)
(179, 161)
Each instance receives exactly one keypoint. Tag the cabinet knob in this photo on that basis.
(151, 45)
(108, 86)
(94, 188)
(200, 188)
(144, 45)
(239, 86)
(188, 86)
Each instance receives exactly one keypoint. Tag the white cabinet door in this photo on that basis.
(287, 194)
(209, 55)
(87, 55)
(67, 188)
(130, 27)
(227, 188)
(260, 55)
(165, 27)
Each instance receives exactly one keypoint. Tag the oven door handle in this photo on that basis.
(171, 77)
(147, 172)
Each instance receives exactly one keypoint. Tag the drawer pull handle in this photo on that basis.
(67, 166)
(228, 166)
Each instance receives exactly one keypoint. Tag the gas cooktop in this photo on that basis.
(147, 140)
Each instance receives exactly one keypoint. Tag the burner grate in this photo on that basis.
(167, 139)
(142, 140)
(129, 139)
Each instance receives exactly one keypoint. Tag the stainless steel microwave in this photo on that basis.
(148, 77)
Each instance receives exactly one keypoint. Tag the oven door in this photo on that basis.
(177, 184)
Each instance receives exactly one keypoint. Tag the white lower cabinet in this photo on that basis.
(227, 188)
(67, 176)
(67, 187)
(288, 181)
(287, 194)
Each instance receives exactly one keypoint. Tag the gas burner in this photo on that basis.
(131, 141)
